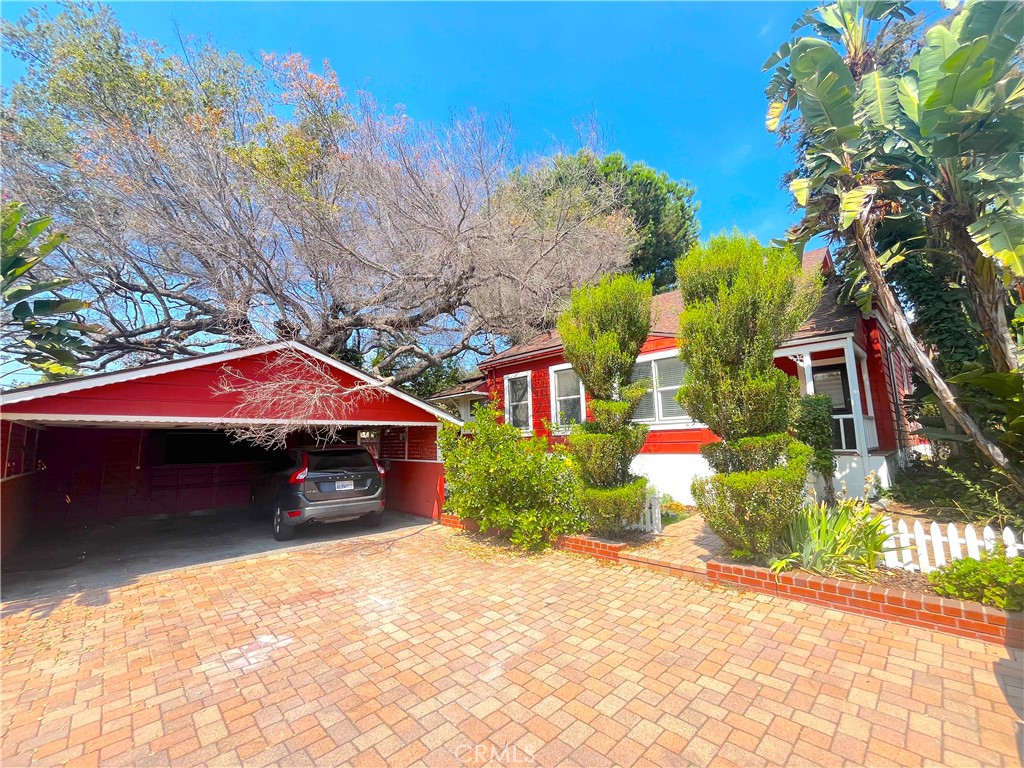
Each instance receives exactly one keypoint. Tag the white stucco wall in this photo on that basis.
(671, 473)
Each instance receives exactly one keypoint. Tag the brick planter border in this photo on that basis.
(957, 617)
(602, 549)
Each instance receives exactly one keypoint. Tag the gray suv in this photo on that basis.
(322, 485)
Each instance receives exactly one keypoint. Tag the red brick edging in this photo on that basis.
(583, 545)
(957, 617)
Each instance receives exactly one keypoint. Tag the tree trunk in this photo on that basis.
(897, 320)
(988, 298)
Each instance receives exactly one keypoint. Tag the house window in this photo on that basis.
(833, 381)
(568, 403)
(518, 407)
(664, 377)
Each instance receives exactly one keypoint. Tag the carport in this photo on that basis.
(153, 440)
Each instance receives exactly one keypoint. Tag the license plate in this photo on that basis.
(344, 485)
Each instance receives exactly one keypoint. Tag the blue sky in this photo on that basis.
(678, 85)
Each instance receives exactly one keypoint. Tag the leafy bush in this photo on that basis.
(994, 580)
(747, 455)
(603, 330)
(741, 299)
(814, 426)
(507, 483)
(607, 510)
(842, 540)
(751, 510)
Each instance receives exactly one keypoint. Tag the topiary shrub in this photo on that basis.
(602, 332)
(606, 510)
(814, 426)
(747, 454)
(507, 483)
(751, 511)
(740, 300)
(995, 579)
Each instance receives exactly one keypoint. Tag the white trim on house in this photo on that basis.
(134, 374)
(562, 428)
(528, 375)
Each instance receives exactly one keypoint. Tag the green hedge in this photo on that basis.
(749, 454)
(507, 483)
(750, 511)
(607, 510)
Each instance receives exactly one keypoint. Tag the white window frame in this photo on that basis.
(562, 428)
(528, 375)
(659, 422)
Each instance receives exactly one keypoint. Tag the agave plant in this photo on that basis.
(942, 140)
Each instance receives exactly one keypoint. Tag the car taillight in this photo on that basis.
(380, 468)
(299, 476)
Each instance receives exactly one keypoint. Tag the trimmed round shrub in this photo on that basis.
(750, 454)
(607, 510)
(751, 511)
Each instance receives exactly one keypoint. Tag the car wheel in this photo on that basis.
(372, 520)
(282, 531)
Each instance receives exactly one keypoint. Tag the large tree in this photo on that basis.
(938, 142)
(211, 200)
(663, 211)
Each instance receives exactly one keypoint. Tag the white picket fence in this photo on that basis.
(917, 549)
(651, 520)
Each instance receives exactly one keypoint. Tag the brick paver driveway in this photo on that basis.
(430, 647)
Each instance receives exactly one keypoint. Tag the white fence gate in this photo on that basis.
(651, 520)
(915, 549)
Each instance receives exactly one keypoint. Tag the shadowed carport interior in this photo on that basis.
(154, 441)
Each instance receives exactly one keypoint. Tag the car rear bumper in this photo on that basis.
(330, 511)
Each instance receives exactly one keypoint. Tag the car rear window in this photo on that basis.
(352, 458)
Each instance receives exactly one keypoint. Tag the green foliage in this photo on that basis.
(751, 510)
(994, 580)
(748, 453)
(507, 483)
(607, 510)
(844, 540)
(814, 426)
(42, 332)
(603, 329)
(602, 332)
(958, 489)
(663, 211)
(741, 299)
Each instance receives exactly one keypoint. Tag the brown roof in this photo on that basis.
(465, 387)
(830, 317)
(827, 319)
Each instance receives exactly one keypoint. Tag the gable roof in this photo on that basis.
(472, 385)
(828, 318)
(39, 392)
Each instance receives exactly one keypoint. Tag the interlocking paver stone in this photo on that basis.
(438, 649)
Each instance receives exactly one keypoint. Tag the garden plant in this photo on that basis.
(741, 299)
(602, 332)
(814, 427)
(509, 483)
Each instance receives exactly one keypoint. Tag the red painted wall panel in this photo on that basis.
(191, 393)
(416, 487)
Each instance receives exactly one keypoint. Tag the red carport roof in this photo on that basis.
(183, 393)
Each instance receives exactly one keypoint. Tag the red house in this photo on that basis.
(152, 440)
(839, 351)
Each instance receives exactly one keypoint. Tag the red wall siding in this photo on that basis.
(422, 443)
(416, 487)
(191, 393)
